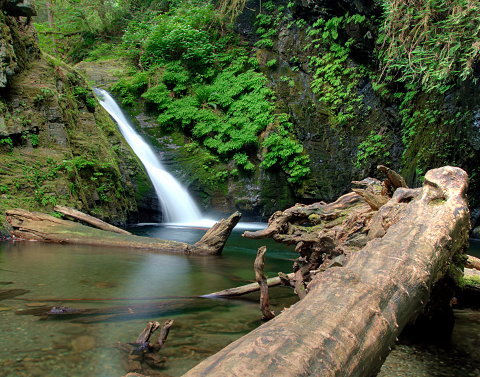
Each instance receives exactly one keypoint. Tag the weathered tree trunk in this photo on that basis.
(42, 227)
(352, 315)
(93, 221)
(262, 282)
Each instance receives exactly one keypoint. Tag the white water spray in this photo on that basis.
(177, 205)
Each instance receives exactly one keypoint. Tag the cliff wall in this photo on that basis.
(57, 145)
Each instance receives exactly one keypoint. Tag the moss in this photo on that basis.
(437, 202)
(91, 177)
(460, 259)
(472, 280)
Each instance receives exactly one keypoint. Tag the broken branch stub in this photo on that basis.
(353, 314)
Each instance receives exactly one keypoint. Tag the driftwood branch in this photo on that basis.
(46, 228)
(353, 314)
(145, 335)
(142, 356)
(262, 282)
(248, 288)
(93, 221)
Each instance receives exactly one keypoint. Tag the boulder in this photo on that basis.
(20, 8)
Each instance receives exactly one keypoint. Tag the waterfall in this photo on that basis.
(177, 204)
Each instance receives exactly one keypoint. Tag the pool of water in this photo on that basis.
(30, 346)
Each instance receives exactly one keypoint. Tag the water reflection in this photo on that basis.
(30, 346)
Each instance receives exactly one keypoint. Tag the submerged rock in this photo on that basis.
(83, 343)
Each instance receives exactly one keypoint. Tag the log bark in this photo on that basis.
(46, 228)
(93, 221)
(352, 315)
(473, 262)
(262, 282)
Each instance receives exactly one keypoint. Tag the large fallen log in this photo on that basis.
(93, 221)
(46, 228)
(352, 315)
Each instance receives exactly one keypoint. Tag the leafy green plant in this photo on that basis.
(373, 146)
(271, 63)
(335, 79)
(7, 140)
(430, 42)
(284, 150)
(34, 139)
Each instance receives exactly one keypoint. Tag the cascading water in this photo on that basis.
(177, 205)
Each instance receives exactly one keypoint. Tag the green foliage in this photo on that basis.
(201, 83)
(373, 147)
(7, 140)
(431, 42)
(271, 63)
(185, 34)
(284, 150)
(265, 28)
(34, 139)
(335, 78)
(129, 88)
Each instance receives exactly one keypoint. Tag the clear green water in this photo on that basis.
(30, 346)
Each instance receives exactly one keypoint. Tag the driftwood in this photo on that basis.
(262, 282)
(42, 227)
(249, 288)
(352, 315)
(142, 356)
(93, 221)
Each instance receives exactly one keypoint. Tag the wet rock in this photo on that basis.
(20, 8)
(83, 343)
(476, 233)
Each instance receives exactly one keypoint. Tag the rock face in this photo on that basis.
(445, 131)
(18, 44)
(57, 144)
